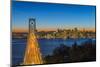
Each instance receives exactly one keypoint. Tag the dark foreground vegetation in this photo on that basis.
(77, 53)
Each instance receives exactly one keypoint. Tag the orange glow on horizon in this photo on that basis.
(19, 30)
(51, 29)
(26, 30)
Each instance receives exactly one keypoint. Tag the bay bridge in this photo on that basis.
(32, 52)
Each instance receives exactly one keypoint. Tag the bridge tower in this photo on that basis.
(32, 25)
(32, 52)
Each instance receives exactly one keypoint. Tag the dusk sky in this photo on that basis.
(52, 16)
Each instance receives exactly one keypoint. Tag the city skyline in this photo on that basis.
(52, 16)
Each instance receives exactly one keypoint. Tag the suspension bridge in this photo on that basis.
(32, 52)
